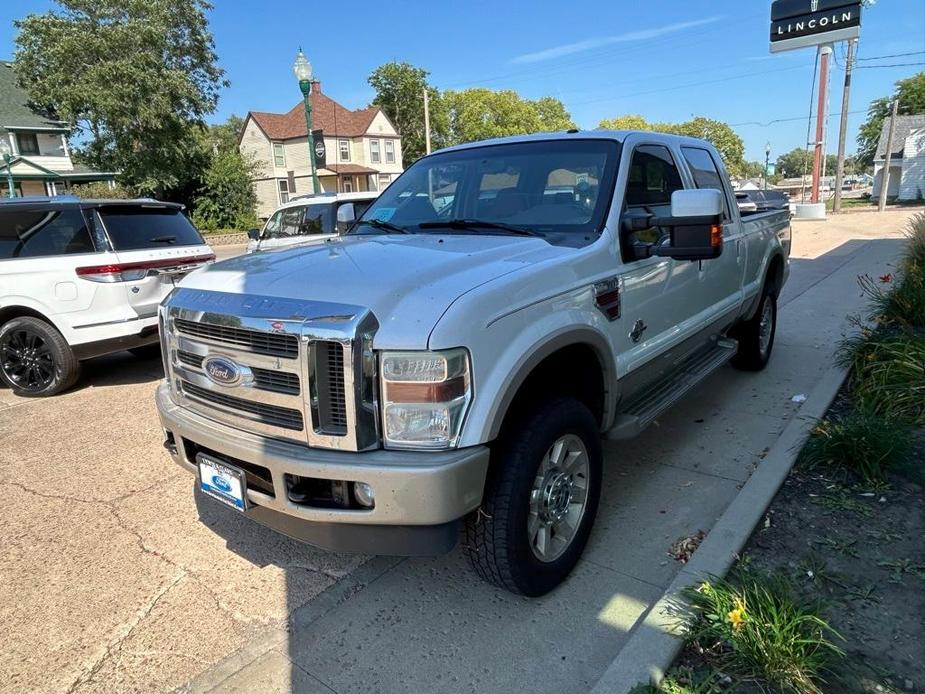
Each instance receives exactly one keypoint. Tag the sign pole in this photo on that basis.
(843, 127)
(824, 51)
(885, 171)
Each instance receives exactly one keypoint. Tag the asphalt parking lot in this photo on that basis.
(114, 577)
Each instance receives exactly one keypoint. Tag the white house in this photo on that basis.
(907, 162)
(40, 163)
(363, 150)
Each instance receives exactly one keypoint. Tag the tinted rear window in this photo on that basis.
(35, 233)
(140, 228)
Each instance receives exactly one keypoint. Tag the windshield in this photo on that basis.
(304, 220)
(560, 189)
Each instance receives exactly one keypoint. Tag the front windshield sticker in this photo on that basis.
(384, 214)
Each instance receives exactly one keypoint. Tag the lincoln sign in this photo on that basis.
(801, 23)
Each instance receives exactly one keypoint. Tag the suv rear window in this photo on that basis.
(143, 228)
(36, 233)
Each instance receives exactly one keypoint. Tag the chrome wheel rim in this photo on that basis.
(766, 326)
(558, 498)
(27, 360)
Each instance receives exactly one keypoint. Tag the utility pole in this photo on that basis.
(818, 155)
(426, 122)
(843, 127)
(885, 175)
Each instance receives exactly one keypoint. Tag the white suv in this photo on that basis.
(82, 278)
(310, 219)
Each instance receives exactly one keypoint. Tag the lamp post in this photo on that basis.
(767, 161)
(6, 151)
(303, 72)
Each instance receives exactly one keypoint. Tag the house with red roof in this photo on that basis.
(362, 150)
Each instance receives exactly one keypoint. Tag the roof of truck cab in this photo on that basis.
(328, 198)
(614, 135)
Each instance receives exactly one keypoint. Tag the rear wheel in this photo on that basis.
(540, 500)
(756, 336)
(35, 359)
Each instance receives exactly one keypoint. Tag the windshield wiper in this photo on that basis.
(480, 224)
(163, 239)
(386, 226)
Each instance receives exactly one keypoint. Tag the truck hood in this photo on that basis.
(407, 281)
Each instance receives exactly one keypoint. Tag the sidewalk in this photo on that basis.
(429, 625)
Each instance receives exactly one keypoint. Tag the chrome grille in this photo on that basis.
(330, 397)
(275, 344)
(300, 370)
(266, 414)
(264, 379)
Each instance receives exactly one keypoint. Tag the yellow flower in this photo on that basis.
(705, 588)
(737, 616)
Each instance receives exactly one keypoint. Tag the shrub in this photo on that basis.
(887, 375)
(756, 629)
(862, 442)
(101, 191)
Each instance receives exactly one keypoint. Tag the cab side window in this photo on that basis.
(705, 172)
(284, 223)
(653, 177)
(37, 233)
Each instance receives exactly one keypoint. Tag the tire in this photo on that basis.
(497, 542)
(755, 336)
(35, 359)
(152, 351)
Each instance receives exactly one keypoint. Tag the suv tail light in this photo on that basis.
(131, 272)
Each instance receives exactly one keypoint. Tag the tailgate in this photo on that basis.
(156, 246)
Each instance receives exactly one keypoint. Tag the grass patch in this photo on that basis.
(685, 680)
(861, 442)
(887, 373)
(756, 629)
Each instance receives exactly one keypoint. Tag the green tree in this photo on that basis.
(477, 114)
(134, 77)
(754, 169)
(911, 95)
(400, 94)
(225, 197)
(724, 138)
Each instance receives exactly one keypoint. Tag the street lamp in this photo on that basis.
(6, 151)
(767, 159)
(303, 72)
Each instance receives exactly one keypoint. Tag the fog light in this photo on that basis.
(364, 494)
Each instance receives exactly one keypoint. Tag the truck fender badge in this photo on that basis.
(638, 329)
(607, 297)
(222, 371)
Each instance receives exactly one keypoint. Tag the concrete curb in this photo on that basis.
(302, 617)
(657, 640)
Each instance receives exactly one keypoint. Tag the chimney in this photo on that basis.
(316, 86)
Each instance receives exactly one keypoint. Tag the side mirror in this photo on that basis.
(253, 234)
(695, 226)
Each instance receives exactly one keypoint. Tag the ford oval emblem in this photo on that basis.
(221, 484)
(222, 371)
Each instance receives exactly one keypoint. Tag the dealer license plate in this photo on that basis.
(222, 481)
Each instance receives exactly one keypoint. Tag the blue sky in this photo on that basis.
(666, 60)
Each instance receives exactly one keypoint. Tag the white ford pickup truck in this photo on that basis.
(451, 364)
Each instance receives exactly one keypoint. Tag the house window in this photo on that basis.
(384, 180)
(283, 191)
(343, 147)
(279, 156)
(348, 184)
(374, 151)
(28, 143)
(389, 152)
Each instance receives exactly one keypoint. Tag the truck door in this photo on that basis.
(657, 293)
(720, 280)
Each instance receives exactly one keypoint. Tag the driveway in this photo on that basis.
(109, 580)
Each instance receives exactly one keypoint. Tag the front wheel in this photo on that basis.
(540, 500)
(35, 359)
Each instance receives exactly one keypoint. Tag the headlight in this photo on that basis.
(425, 396)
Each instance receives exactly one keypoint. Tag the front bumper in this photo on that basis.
(420, 496)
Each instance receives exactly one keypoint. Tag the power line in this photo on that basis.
(870, 67)
(786, 120)
(894, 55)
